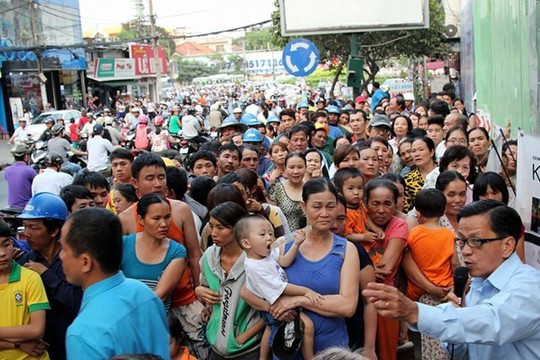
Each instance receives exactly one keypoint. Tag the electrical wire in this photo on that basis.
(13, 9)
(124, 42)
(45, 25)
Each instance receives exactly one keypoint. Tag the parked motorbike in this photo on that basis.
(37, 158)
(129, 138)
(81, 142)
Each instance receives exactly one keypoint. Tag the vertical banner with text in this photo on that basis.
(528, 195)
(145, 64)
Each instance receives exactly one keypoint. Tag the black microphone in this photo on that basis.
(461, 275)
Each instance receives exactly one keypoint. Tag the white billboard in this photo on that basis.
(314, 17)
(264, 62)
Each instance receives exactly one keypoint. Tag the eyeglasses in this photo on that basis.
(475, 242)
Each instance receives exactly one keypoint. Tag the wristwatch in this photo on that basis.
(17, 345)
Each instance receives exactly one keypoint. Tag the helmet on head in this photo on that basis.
(332, 109)
(273, 119)
(48, 120)
(303, 104)
(53, 159)
(57, 129)
(20, 150)
(108, 120)
(158, 121)
(252, 135)
(231, 121)
(143, 119)
(45, 206)
(191, 110)
(249, 120)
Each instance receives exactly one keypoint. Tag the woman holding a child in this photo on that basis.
(328, 265)
(381, 197)
(233, 327)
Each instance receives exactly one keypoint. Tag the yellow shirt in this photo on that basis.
(23, 294)
(110, 202)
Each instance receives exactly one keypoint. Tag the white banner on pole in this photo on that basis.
(528, 194)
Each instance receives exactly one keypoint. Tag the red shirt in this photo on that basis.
(73, 136)
(83, 120)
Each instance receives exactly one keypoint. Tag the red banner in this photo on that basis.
(145, 64)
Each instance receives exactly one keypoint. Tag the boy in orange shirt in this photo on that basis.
(432, 248)
(350, 183)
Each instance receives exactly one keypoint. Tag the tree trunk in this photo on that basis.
(373, 70)
(336, 77)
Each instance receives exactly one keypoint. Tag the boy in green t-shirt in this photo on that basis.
(23, 301)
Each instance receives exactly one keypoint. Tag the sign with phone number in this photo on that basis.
(266, 62)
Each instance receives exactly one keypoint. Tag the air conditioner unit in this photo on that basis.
(451, 31)
(452, 18)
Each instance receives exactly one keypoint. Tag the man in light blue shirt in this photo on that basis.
(500, 315)
(117, 315)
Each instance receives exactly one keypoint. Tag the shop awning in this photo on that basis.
(112, 82)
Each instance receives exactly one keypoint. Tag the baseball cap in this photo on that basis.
(380, 120)
(237, 110)
(360, 99)
(97, 129)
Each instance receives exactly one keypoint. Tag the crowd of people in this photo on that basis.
(374, 203)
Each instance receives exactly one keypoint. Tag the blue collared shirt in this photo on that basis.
(118, 316)
(500, 320)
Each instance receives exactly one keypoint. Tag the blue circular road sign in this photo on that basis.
(300, 57)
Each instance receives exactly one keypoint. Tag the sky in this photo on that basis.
(199, 16)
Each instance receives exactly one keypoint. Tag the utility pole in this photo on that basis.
(37, 42)
(157, 60)
(355, 67)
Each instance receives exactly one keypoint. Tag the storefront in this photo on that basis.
(53, 79)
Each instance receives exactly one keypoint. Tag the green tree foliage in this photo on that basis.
(375, 46)
(258, 39)
(237, 63)
(188, 70)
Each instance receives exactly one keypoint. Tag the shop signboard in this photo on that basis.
(104, 68)
(145, 64)
(110, 69)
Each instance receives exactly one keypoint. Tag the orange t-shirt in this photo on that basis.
(432, 250)
(356, 220)
(184, 293)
